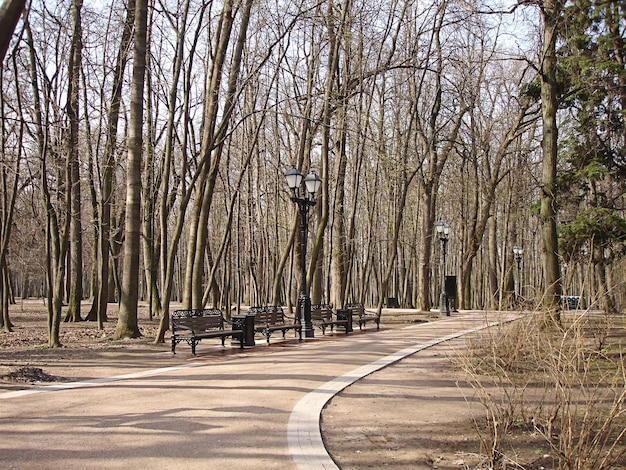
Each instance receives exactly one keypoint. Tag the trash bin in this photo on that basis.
(345, 314)
(245, 323)
(392, 302)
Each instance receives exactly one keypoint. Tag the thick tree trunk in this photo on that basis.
(127, 326)
(150, 242)
(339, 263)
(549, 238)
(10, 12)
(76, 227)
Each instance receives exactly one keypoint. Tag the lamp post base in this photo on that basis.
(304, 304)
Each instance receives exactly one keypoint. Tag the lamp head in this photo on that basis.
(294, 178)
(443, 230)
(312, 183)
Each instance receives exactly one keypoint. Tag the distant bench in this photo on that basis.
(194, 325)
(322, 316)
(272, 318)
(359, 314)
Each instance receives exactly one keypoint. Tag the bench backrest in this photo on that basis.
(270, 315)
(202, 319)
(356, 307)
(321, 312)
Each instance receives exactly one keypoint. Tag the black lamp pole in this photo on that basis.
(518, 251)
(443, 230)
(312, 183)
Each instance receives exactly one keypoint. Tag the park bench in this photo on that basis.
(359, 314)
(269, 319)
(322, 316)
(194, 325)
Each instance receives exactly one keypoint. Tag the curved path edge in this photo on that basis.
(304, 434)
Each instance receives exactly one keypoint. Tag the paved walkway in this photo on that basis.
(251, 410)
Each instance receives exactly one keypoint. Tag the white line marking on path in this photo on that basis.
(96, 382)
(304, 435)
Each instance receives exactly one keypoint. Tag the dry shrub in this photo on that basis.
(565, 384)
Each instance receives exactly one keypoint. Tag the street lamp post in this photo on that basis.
(312, 183)
(443, 230)
(518, 251)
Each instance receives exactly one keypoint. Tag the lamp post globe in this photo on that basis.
(303, 194)
(294, 178)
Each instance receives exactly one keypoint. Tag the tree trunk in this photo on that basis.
(9, 195)
(551, 12)
(150, 242)
(127, 326)
(109, 162)
(56, 236)
(339, 262)
(10, 12)
(76, 227)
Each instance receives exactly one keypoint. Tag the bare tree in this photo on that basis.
(9, 181)
(74, 184)
(434, 144)
(55, 176)
(551, 11)
(127, 326)
(214, 131)
(102, 292)
(493, 173)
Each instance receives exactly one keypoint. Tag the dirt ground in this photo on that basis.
(417, 414)
(26, 361)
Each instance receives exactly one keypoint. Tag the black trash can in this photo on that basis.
(245, 323)
(345, 314)
(392, 302)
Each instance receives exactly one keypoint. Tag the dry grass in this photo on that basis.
(563, 386)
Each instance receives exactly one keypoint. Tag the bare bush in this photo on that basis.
(566, 385)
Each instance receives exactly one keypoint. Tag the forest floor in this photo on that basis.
(415, 414)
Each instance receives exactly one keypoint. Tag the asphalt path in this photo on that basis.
(256, 409)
